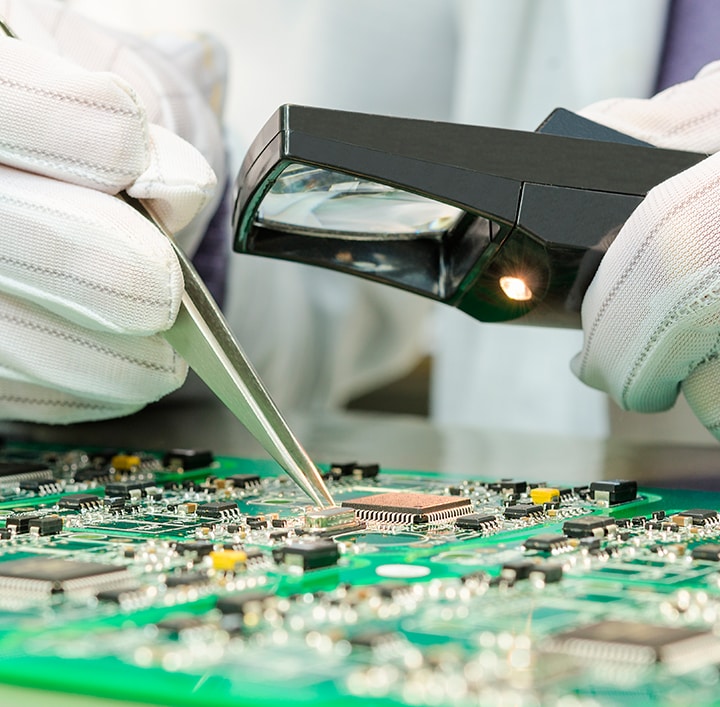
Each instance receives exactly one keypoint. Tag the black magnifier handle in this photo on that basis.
(504, 225)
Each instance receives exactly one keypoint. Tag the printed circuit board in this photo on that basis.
(176, 577)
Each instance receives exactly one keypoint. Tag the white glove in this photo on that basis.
(651, 317)
(85, 281)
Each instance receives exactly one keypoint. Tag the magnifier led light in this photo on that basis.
(515, 288)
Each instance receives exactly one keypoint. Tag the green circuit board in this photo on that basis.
(175, 577)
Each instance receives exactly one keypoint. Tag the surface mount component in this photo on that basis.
(413, 508)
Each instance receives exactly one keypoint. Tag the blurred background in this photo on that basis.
(323, 341)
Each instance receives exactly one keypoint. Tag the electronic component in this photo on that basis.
(218, 509)
(244, 481)
(547, 542)
(334, 518)
(42, 487)
(707, 551)
(544, 494)
(477, 521)
(229, 574)
(365, 471)
(79, 501)
(125, 462)
(228, 560)
(187, 459)
(614, 492)
(308, 556)
(40, 576)
(546, 572)
(512, 486)
(700, 516)
(338, 470)
(16, 472)
(122, 595)
(519, 511)
(199, 548)
(49, 524)
(516, 570)
(20, 522)
(589, 526)
(409, 507)
(631, 642)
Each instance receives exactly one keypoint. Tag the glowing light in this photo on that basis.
(515, 288)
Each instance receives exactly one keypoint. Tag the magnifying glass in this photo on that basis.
(505, 225)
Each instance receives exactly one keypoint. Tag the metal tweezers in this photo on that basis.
(202, 336)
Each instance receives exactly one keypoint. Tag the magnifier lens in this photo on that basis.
(320, 201)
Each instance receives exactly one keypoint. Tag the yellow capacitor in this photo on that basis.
(542, 494)
(228, 560)
(125, 462)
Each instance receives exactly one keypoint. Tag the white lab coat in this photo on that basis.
(318, 337)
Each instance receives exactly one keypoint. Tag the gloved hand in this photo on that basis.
(651, 317)
(85, 281)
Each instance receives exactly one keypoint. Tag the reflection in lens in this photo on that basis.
(321, 201)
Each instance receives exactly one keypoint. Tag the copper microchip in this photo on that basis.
(408, 507)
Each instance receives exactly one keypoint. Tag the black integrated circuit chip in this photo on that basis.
(44, 576)
(638, 643)
(79, 501)
(707, 551)
(15, 472)
(308, 556)
(476, 521)
(218, 509)
(589, 526)
(187, 459)
(244, 481)
(409, 507)
(614, 491)
(523, 510)
(547, 542)
(700, 516)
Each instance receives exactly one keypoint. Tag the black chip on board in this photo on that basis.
(20, 522)
(49, 575)
(77, 501)
(588, 526)
(117, 594)
(637, 643)
(243, 481)
(201, 548)
(240, 603)
(366, 471)
(708, 551)
(188, 459)
(217, 509)
(49, 524)
(546, 542)
(522, 510)
(700, 516)
(308, 556)
(185, 579)
(476, 521)
(614, 491)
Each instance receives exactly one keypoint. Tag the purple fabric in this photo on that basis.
(211, 257)
(692, 40)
